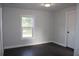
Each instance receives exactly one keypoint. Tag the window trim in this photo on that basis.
(32, 26)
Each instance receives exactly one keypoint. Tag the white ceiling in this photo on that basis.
(37, 6)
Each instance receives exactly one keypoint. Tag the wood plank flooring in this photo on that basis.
(47, 49)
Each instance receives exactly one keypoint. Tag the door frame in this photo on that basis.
(66, 22)
(66, 40)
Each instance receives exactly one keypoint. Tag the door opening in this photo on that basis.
(70, 28)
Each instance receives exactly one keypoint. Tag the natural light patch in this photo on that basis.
(26, 26)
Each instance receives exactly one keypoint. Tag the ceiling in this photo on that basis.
(37, 6)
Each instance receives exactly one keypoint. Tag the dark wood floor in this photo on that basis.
(48, 49)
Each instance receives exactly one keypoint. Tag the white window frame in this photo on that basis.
(32, 26)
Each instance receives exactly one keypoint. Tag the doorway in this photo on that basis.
(70, 28)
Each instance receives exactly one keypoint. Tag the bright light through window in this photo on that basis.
(26, 26)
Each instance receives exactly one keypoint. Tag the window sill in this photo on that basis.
(27, 37)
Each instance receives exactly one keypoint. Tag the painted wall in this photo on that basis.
(12, 27)
(76, 51)
(1, 40)
(51, 27)
(60, 26)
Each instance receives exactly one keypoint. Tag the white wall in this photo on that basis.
(60, 26)
(76, 51)
(51, 27)
(1, 40)
(12, 27)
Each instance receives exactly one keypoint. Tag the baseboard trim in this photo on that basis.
(9, 47)
(59, 44)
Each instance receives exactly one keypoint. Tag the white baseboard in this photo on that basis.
(59, 43)
(8, 47)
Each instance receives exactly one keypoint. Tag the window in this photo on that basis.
(26, 26)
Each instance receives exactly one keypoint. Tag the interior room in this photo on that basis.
(39, 29)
